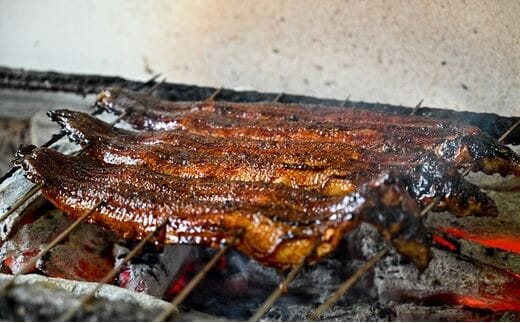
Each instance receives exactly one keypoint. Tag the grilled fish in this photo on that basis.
(455, 142)
(329, 167)
(275, 224)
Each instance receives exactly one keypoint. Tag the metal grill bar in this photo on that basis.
(110, 275)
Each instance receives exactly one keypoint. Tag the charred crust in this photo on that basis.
(433, 178)
(480, 152)
(394, 213)
(105, 100)
(21, 154)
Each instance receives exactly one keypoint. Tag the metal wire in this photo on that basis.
(344, 104)
(51, 245)
(110, 275)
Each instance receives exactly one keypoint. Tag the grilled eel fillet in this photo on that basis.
(329, 167)
(457, 143)
(275, 224)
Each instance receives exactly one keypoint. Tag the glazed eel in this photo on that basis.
(275, 224)
(455, 142)
(329, 167)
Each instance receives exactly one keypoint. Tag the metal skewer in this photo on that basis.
(51, 245)
(34, 189)
(193, 283)
(147, 83)
(372, 262)
(155, 86)
(110, 275)
(277, 293)
(213, 95)
(504, 136)
(344, 104)
(277, 97)
(348, 284)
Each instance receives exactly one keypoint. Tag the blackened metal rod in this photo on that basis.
(151, 81)
(173, 308)
(277, 97)
(155, 86)
(213, 95)
(51, 245)
(344, 104)
(34, 189)
(508, 131)
(110, 275)
(348, 284)
(277, 293)
(37, 187)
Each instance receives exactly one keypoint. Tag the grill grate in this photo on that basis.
(173, 309)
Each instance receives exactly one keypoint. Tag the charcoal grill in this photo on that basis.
(501, 127)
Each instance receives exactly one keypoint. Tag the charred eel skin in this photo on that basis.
(330, 168)
(452, 141)
(277, 225)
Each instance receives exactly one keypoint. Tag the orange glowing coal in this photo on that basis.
(505, 242)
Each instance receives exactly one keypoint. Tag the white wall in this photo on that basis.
(456, 54)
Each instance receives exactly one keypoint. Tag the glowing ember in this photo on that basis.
(501, 241)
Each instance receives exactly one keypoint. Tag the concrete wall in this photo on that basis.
(457, 54)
